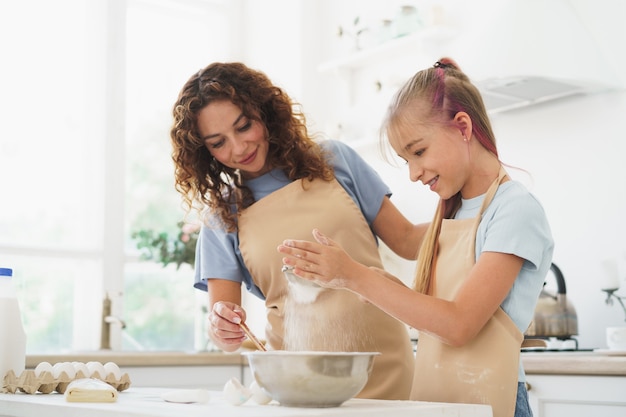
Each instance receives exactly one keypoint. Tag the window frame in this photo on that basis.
(105, 94)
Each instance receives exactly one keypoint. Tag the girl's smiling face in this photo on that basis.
(233, 139)
(437, 154)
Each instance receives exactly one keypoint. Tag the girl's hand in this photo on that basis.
(224, 329)
(323, 262)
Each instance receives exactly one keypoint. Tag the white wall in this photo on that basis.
(572, 148)
(573, 151)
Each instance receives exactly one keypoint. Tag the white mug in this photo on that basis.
(616, 338)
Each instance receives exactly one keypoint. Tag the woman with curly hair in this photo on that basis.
(245, 160)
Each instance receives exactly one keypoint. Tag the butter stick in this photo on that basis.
(90, 390)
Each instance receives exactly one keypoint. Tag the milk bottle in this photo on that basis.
(12, 336)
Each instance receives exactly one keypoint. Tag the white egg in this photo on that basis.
(235, 393)
(96, 370)
(63, 367)
(43, 367)
(258, 395)
(112, 368)
(82, 368)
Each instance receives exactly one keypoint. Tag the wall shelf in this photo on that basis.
(389, 50)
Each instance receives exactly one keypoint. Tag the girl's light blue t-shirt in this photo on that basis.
(217, 252)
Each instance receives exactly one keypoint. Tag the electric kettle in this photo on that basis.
(555, 315)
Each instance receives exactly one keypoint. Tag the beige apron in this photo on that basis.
(485, 370)
(338, 320)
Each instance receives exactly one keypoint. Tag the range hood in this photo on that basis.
(525, 52)
(509, 93)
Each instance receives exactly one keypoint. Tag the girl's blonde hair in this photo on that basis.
(443, 91)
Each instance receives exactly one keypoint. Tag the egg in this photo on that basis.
(63, 367)
(81, 368)
(43, 367)
(96, 370)
(112, 368)
(235, 393)
(258, 395)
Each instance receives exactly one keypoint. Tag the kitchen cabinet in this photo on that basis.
(576, 384)
(207, 377)
(577, 395)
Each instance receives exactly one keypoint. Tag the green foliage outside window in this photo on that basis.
(165, 248)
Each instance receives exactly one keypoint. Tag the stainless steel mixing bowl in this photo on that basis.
(311, 379)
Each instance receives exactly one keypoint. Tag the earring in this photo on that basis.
(465, 139)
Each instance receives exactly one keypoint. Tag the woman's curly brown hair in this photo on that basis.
(202, 181)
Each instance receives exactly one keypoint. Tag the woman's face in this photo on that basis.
(437, 155)
(233, 139)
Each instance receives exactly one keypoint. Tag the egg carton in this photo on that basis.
(47, 379)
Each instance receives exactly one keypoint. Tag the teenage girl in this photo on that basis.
(482, 262)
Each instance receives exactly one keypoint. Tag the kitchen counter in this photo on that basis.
(568, 363)
(574, 363)
(579, 372)
(146, 402)
(151, 358)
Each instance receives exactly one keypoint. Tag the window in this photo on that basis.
(88, 87)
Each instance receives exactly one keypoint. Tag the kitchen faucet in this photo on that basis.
(610, 294)
(107, 320)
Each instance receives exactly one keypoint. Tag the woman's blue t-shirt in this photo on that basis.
(217, 251)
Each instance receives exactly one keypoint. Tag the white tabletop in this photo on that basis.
(146, 402)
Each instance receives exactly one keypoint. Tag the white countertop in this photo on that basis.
(146, 402)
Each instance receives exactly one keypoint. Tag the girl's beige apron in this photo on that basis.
(338, 320)
(484, 371)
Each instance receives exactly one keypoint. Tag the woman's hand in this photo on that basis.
(323, 262)
(224, 329)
